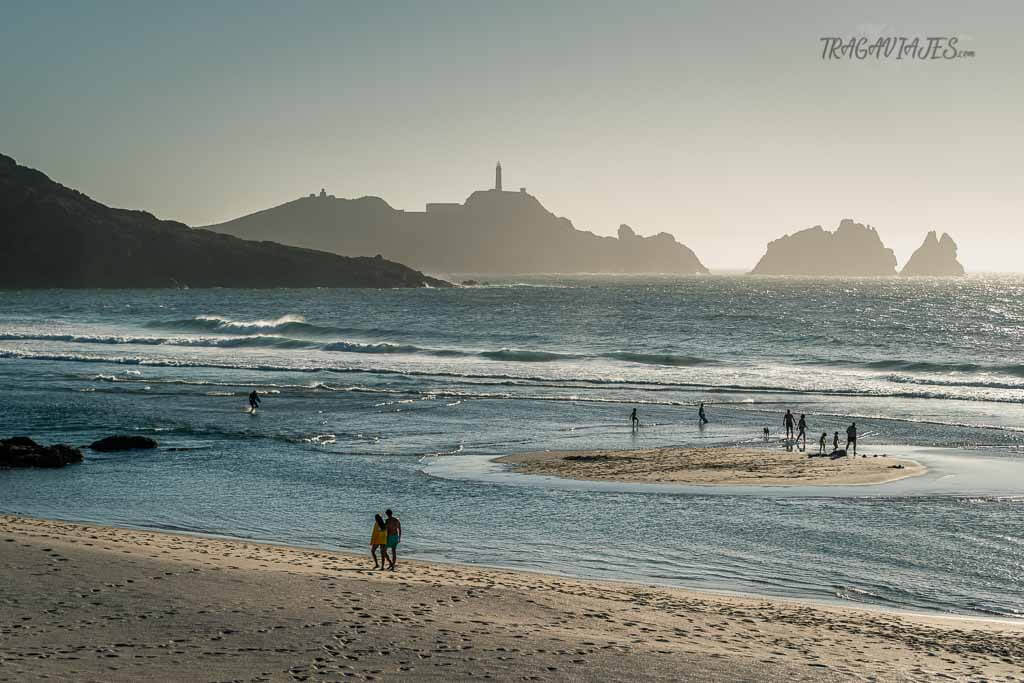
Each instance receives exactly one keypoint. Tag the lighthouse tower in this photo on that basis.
(497, 177)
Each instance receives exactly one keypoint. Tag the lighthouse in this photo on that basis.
(497, 177)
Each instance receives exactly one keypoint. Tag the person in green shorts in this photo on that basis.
(394, 529)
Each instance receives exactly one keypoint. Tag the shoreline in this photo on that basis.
(441, 562)
(87, 600)
(714, 466)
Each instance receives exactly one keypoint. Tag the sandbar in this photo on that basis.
(715, 467)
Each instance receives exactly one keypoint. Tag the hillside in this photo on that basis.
(54, 236)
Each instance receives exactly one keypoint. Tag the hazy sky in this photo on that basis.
(717, 122)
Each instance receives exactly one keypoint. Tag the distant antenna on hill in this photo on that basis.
(497, 177)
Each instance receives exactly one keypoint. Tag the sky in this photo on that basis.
(717, 122)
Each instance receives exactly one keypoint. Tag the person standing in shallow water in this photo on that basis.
(802, 429)
(378, 541)
(394, 529)
(787, 422)
(835, 441)
(851, 438)
(254, 401)
(701, 415)
(634, 420)
(821, 443)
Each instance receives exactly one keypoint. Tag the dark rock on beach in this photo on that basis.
(122, 442)
(21, 451)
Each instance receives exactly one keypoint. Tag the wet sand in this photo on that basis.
(715, 466)
(93, 603)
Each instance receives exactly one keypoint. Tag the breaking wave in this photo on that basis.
(903, 365)
(280, 341)
(660, 359)
(583, 383)
(290, 323)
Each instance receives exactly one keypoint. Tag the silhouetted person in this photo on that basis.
(835, 441)
(701, 415)
(821, 443)
(379, 540)
(254, 401)
(787, 422)
(802, 428)
(394, 529)
(851, 438)
(767, 433)
(633, 419)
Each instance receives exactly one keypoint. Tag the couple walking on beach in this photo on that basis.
(787, 422)
(385, 536)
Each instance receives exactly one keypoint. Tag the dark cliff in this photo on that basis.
(853, 249)
(492, 232)
(54, 236)
(934, 257)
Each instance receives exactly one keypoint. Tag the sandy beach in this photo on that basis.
(95, 603)
(715, 466)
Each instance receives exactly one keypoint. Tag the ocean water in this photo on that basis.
(392, 398)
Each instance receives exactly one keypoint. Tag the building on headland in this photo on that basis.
(451, 208)
(443, 207)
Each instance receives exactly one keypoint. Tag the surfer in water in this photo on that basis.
(802, 429)
(701, 415)
(254, 401)
(634, 420)
(787, 422)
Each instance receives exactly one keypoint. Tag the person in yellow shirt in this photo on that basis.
(378, 540)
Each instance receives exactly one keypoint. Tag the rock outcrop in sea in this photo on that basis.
(21, 451)
(54, 236)
(122, 442)
(934, 257)
(494, 231)
(852, 249)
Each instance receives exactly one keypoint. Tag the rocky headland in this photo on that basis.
(54, 236)
(493, 231)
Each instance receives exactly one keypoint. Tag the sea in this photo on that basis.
(403, 398)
